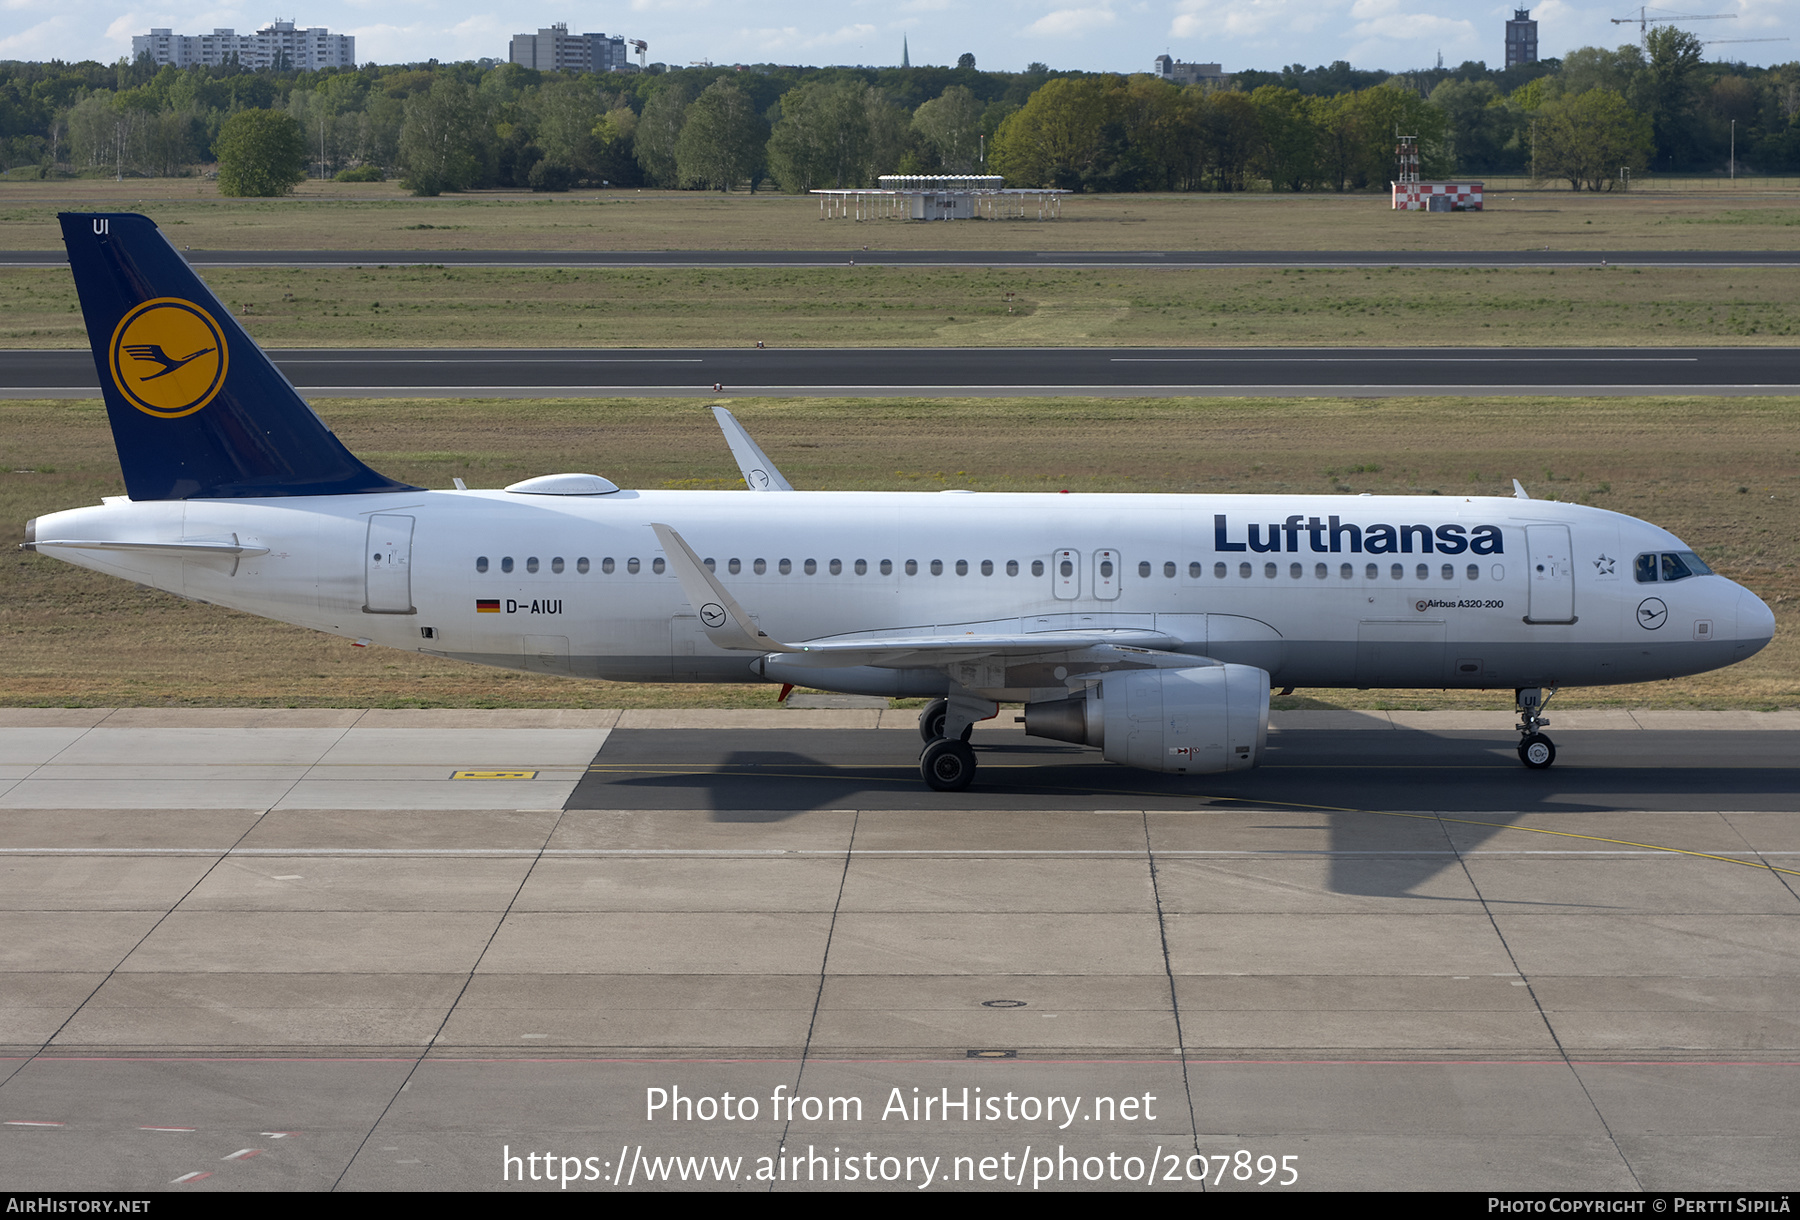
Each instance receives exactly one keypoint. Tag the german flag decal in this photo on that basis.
(487, 605)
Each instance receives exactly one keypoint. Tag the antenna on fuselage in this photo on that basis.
(759, 472)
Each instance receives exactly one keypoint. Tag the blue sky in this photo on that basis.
(1005, 35)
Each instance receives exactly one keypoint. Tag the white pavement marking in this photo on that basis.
(190, 1177)
(242, 1154)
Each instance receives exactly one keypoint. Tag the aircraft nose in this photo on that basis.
(1755, 621)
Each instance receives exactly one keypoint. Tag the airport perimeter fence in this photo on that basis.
(1742, 184)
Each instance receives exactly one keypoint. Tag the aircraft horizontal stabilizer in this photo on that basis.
(188, 547)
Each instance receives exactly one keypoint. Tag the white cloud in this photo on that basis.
(1249, 19)
(1068, 22)
(1386, 19)
(37, 42)
(793, 38)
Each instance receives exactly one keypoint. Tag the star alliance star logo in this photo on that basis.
(1603, 566)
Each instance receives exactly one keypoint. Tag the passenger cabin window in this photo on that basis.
(481, 563)
(837, 567)
(1037, 567)
(887, 567)
(631, 565)
(912, 567)
(759, 566)
(582, 565)
(1012, 567)
(734, 566)
(606, 565)
(862, 567)
(506, 563)
(811, 567)
(785, 567)
(556, 564)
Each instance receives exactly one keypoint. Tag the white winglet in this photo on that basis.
(725, 622)
(759, 471)
(1519, 491)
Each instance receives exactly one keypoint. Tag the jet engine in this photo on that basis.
(1188, 721)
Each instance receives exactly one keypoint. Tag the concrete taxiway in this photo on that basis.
(389, 949)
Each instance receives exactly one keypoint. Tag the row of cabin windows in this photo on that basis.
(1347, 571)
(835, 567)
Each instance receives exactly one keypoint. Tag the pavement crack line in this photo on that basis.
(1781, 874)
(1538, 1004)
(1162, 932)
(812, 1021)
(450, 1010)
(126, 956)
(173, 907)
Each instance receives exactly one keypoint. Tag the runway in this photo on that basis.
(254, 950)
(943, 372)
(865, 257)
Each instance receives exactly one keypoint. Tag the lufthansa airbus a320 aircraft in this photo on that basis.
(1149, 626)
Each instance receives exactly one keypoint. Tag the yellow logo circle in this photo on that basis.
(168, 357)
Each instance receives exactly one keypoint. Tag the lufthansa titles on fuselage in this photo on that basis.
(1332, 535)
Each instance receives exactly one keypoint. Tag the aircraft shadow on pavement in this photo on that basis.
(1354, 782)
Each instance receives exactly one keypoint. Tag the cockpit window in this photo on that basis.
(1670, 565)
(1683, 564)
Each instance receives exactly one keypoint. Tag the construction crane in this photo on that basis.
(1642, 20)
(641, 46)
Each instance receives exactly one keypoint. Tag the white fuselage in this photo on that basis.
(1321, 591)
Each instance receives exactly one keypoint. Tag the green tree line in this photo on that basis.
(1659, 108)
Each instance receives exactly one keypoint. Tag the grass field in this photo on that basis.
(379, 216)
(1722, 473)
(865, 306)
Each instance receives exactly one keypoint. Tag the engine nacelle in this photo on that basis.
(1188, 721)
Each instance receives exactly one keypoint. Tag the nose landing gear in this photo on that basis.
(1536, 750)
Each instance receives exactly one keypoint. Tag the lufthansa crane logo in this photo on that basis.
(168, 357)
(712, 614)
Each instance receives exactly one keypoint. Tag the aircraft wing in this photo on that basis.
(759, 471)
(728, 625)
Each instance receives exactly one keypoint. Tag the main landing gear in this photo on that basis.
(1535, 750)
(947, 764)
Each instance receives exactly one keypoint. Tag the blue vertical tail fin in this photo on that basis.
(197, 410)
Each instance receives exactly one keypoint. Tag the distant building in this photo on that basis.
(1189, 74)
(276, 45)
(557, 50)
(1521, 39)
